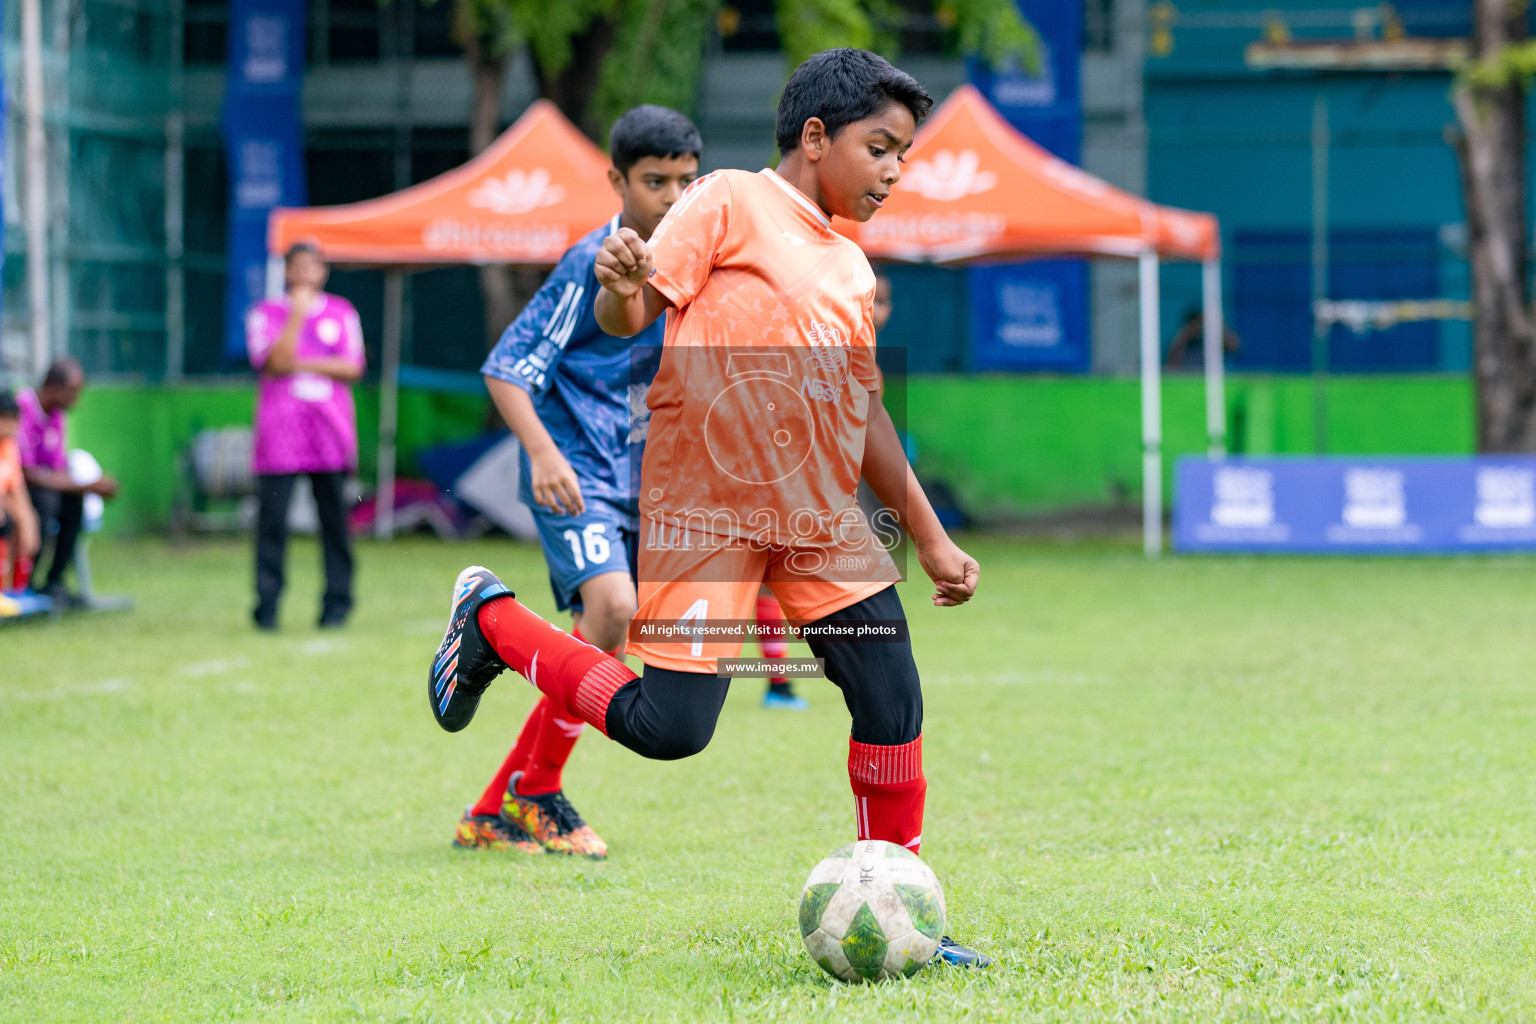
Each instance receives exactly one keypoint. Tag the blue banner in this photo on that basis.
(1047, 106)
(1034, 316)
(1354, 506)
(263, 145)
(1029, 316)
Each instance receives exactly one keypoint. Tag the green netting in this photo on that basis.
(107, 80)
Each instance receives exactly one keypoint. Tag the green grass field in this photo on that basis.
(1197, 790)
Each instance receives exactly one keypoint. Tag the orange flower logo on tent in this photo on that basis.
(518, 192)
(948, 176)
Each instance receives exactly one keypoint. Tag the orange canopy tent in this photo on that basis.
(974, 188)
(535, 190)
(525, 199)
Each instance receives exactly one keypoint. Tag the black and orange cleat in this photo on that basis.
(465, 663)
(552, 822)
(492, 832)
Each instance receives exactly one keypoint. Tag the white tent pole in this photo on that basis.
(1151, 411)
(389, 403)
(1215, 360)
(35, 176)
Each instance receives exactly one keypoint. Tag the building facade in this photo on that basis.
(1170, 108)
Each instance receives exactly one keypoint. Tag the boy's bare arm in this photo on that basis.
(554, 482)
(627, 303)
(954, 573)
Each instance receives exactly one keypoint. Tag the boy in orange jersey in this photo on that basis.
(763, 418)
(19, 535)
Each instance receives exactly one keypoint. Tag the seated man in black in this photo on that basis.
(58, 498)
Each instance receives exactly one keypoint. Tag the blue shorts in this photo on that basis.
(604, 538)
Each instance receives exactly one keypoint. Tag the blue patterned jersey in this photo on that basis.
(588, 387)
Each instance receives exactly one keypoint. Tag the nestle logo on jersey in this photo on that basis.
(821, 390)
(827, 349)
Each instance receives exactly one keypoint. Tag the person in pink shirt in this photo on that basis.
(58, 498)
(308, 348)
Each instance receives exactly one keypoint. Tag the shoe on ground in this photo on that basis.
(552, 822)
(785, 700)
(955, 955)
(492, 832)
(265, 622)
(332, 620)
(465, 663)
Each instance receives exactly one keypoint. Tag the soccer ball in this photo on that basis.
(871, 911)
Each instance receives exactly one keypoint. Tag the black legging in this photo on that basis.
(668, 715)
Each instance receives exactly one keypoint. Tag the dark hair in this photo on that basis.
(650, 130)
(62, 372)
(843, 86)
(8, 406)
(298, 249)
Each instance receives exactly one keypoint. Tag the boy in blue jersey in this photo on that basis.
(575, 398)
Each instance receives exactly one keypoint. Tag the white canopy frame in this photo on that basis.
(1149, 265)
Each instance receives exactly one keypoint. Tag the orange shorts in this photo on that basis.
(696, 598)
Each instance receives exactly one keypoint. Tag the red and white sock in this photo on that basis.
(889, 791)
(552, 746)
(773, 636)
(578, 677)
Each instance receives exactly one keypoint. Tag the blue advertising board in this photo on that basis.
(1034, 316)
(1029, 316)
(1356, 505)
(263, 145)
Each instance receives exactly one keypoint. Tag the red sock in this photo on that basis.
(23, 575)
(888, 791)
(517, 759)
(773, 637)
(578, 677)
(552, 748)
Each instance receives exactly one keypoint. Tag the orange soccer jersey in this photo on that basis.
(758, 416)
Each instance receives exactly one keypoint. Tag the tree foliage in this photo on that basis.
(623, 52)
